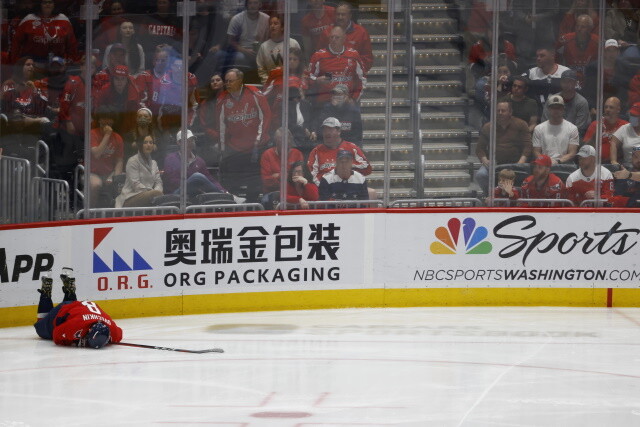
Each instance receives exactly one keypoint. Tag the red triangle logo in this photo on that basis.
(99, 234)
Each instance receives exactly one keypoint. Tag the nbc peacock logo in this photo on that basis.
(475, 242)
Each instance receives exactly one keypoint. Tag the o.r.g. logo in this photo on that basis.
(118, 263)
(474, 238)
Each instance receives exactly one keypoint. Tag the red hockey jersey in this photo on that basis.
(578, 185)
(553, 188)
(77, 317)
(313, 27)
(344, 68)
(39, 37)
(322, 159)
(576, 58)
(72, 104)
(357, 38)
(243, 121)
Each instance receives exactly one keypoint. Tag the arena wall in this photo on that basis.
(177, 265)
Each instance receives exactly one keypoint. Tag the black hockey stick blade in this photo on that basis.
(154, 347)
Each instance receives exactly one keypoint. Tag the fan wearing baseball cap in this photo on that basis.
(123, 96)
(323, 157)
(542, 184)
(556, 137)
(626, 137)
(581, 183)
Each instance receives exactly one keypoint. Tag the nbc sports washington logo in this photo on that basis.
(462, 237)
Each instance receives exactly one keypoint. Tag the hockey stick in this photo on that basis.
(211, 350)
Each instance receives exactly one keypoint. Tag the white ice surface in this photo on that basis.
(337, 368)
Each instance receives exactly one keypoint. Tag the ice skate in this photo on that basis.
(47, 284)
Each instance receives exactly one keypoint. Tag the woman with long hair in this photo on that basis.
(134, 54)
(300, 186)
(143, 181)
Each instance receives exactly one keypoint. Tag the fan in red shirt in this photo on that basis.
(270, 166)
(542, 184)
(581, 184)
(73, 322)
(337, 64)
(611, 122)
(242, 118)
(122, 95)
(323, 157)
(300, 186)
(45, 33)
(149, 81)
(357, 37)
(319, 18)
(580, 48)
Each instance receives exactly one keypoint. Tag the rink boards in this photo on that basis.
(365, 258)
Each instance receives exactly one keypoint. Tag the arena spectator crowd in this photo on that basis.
(233, 83)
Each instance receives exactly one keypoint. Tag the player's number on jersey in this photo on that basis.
(92, 307)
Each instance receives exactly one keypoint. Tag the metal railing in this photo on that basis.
(15, 179)
(592, 203)
(230, 207)
(533, 203)
(49, 200)
(126, 212)
(341, 204)
(78, 195)
(464, 202)
(39, 169)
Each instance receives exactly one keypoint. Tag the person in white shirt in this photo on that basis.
(627, 137)
(557, 138)
(270, 53)
(544, 79)
(246, 31)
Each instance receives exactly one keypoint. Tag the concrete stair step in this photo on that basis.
(423, 57)
(433, 120)
(427, 25)
(377, 74)
(427, 89)
(440, 39)
(428, 164)
(432, 178)
(429, 193)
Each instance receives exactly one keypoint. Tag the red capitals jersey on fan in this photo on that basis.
(38, 37)
(149, 85)
(72, 103)
(322, 159)
(243, 121)
(77, 317)
(313, 27)
(577, 58)
(358, 39)
(29, 101)
(578, 185)
(607, 132)
(344, 67)
(553, 188)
